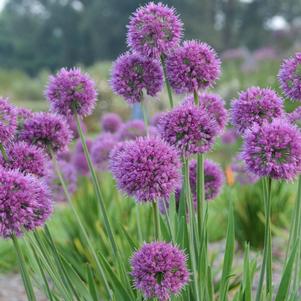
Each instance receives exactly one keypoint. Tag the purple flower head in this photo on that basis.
(110, 122)
(189, 128)
(79, 159)
(242, 174)
(133, 75)
(131, 130)
(101, 149)
(27, 158)
(214, 105)
(255, 106)
(8, 120)
(229, 136)
(154, 30)
(156, 118)
(290, 77)
(295, 116)
(273, 149)
(159, 270)
(192, 67)
(147, 169)
(24, 202)
(64, 155)
(46, 130)
(22, 115)
(70, 177)
(71, 90)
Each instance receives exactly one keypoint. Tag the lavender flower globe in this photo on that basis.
(290, 77)
(46, 130)
(133, 75)
(229, 136)
(71, 91)
(255, 106)
(273, 150)
(214, 105)
(8, 120)
(69, 175)
(192, 67)
(131, 130)
(79, 160)
(100, 150)
(159, 270)
(147, 169)
(110, 122)
(154, 30)
(188, 128)
(27, 158)
(24, 203)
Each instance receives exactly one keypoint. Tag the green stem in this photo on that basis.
(156, 221)
(24, 273)
(145, 116)
(168, 88)
(3, 152)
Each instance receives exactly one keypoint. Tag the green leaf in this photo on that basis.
(91, 284)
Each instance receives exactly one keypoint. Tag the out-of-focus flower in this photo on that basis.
(79, 159)
(265, 53)
(110, 122)
(131, 130)
(8, 120)
(229, 136)
(235, 54)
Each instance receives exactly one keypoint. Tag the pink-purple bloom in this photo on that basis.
(273, 150)
(131, 130)
(8, 120)
(110, 122)
(71, 91)
(159, 270)
(24, 202)
(255, 106)
(189, 128)
(229, 136)
(192, 67)
(47, 130)
(294, 116)
(290, 77)
(79, 159)
(27, 158)
(147, 169)
(154, 30)
(133, 75)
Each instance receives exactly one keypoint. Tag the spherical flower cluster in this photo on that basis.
(101, 149)
(131, 130)
(110, 122)
(192, 66)
(255, 106)
(159, 269)
(8, 120)
(273, 149)
(69, 175)
(71, 91)
(147, 169)
(27, 158)
(133, 74)
(189, 128)
(290, 77)
(154, 30)
(24, 203)
(79, 159)
(46, 130)
(214, 105)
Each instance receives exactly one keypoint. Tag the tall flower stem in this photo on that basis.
(145, 116)
(167, 84)
(156, 220)
(24, 273)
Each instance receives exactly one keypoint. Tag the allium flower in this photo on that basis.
(110, 122)
(131, 130)
(189, 128)
(46, 130)
(290, 77)
(214, 105)
(229, 136)
(22, 115)
(273, 149)
(79, 159)
(156, 118)
(27, 158)
(192, 66)
(70, 90)
(154, 30)
(147, 169)
(133, 75)
(295, 116)
(69, 175)
(255, 106)
(8, 120)
(24, 202)
(159, 270)
(64, 155)
(101, 149)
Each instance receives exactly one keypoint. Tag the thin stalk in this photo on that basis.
(3, 152)
(156, 220)
(167, 84)
(24, 273)
(145, 116)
